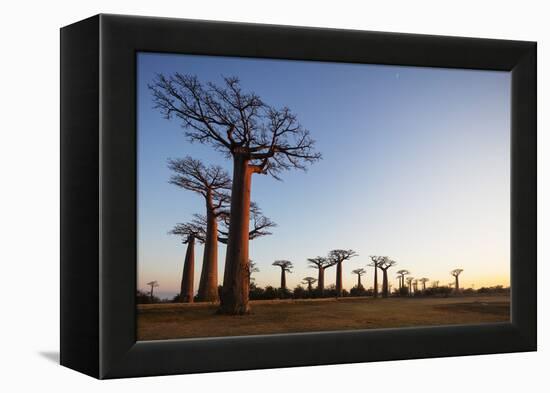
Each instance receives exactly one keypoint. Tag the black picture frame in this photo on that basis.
(98, 196)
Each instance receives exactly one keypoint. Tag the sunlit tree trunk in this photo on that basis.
(321, 281)
(375, 292)
(234, 298)
(384, 283)
(208, 285)
(339, 279)
(186, 292)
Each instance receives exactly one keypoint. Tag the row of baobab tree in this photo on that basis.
(259, 139)
(407, 285)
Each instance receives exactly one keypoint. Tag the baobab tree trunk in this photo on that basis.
(456, 283)
(208, 285)
(283, 280)
(339, 279)
(375, 292)
(234, 299)
(321, 281)
(359, 281)
(385, 283)
(186, 292)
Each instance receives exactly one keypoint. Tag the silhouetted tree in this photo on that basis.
(336, 257)
(359, 273)
(285, 266)
(260, 225)
(415, 286)
(309, 281)
(402, 273)
(455, 273)
(376, 261)
(252, 268)
(153, 285)
(213, 184)
(424, 280)
(384, 264)
(188, 232)
(409, 284)
(258, 137)
(321, 264)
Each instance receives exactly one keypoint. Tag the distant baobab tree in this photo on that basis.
(189, 232)
(153, 285)
(424, 280)
(415, 285)
(213, 183)
(258, 137)
(376, 261)
(286, 267)
(409, 284)
(309, 281)
(435, 284)
(455, 273)
(336, 257)
(384, 265)
(321, 264)
(252, 268)
(359, 273)
(402, 273)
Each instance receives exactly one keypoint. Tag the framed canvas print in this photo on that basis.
(239, 196)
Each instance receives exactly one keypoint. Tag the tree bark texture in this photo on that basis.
(186, 292)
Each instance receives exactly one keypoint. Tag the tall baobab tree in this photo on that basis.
(213, 184)
(455, 273)
(384, 265)
(415, 285)
(337, 257)
(321, 264)
(153, 285)
(409, 284)
(258, 137)
(189, 232)
(309, 281)
(376, 261)
(286, 267)
(424, 280)
(402, 273)
(359, 273)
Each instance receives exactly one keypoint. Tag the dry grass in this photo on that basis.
(168, 321)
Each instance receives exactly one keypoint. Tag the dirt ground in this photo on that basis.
(169, 321)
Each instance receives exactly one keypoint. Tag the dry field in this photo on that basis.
(169, 321)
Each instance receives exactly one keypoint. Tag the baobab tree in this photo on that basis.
(153, 285)
(384, 265)
(424, 280)
(286, 267)
(409, 284)
(252, 268)
(415, 285)
(455, 273)
(213, 184)
(359, 273)
(189, 232)
(376, 261)
(336, 257)
(258, 137)
(309, 281)
(401, 274)
(321, 264)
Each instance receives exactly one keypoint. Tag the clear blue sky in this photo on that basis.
(416, 166)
